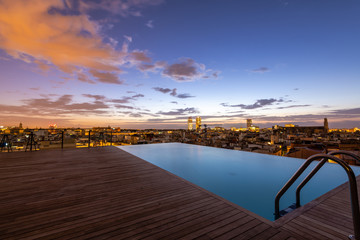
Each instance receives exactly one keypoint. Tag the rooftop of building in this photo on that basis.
(109, 193)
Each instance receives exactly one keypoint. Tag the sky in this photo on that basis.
(154, 63)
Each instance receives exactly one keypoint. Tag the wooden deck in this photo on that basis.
(106, 193)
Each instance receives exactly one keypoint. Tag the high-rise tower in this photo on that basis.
(190, 124)
(198, 124)
(248, 123)
(326, 125)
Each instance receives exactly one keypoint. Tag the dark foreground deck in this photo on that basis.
(106, 193)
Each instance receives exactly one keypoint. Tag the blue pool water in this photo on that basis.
(250, 180)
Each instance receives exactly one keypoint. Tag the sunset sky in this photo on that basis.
(154, 63)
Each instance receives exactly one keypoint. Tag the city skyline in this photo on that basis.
(153, 64)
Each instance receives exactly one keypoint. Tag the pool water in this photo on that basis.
(250, 180)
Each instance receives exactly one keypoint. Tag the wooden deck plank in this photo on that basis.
(332, 221)
(98, 215)
(223, 230)
(330, 218)
(132, 225)
(146, 228)
(275, 234)
(252, 232)
(323, 226)
(240, 230)
(106, 193)
(220, 222)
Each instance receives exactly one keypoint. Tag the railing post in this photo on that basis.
(89, 138)
(31, 140)
(111, 137)
(62, 139)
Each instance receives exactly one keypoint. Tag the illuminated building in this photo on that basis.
(198, 123)
(248, 123)
(190, 124)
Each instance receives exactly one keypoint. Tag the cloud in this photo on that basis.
(150, 24)
(124, 106)
(62, 35)
(96, 97)
(135, 115)
(42, 65)
(203, 117)
(216, 74)
(186, 70)
(140, 56)
(174, 102)
(119, 7)
(258, 104)
(4, 58)
(180, 111)
(106, 77)
(62, 106)
(145, 67)
(84, 78)
(294, 106)
(184, 95)
(125, 99)
(138, 95)
(163, 90)
(173, 92)
(128, 38)
(121, 100)
(261, 70)
(350, 111)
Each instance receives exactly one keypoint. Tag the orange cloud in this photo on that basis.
(72, 43)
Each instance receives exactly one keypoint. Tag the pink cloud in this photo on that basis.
(140, 56)
(106, 77)
(120, 7)
(32, 33)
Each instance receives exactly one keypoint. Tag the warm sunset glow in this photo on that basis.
(153, 64)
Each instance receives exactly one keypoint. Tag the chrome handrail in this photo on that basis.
(352, 182)
(317, 168)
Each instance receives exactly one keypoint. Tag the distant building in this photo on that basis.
(190, 124)
(198, 124)
(248, 123)
(20, 126)
(326, 125)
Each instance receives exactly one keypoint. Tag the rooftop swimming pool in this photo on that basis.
(250, 180)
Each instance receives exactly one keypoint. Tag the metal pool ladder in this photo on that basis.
(324, 158)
